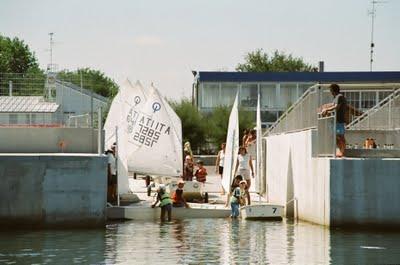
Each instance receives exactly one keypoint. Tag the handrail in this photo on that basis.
(381, 104)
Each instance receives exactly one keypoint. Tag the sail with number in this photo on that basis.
(129, 98)
(154, 138)
(232, 146)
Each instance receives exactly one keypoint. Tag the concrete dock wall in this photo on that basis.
(292, 173)
(47, 140)
(365, 192)
(331, 192)
(52, 190)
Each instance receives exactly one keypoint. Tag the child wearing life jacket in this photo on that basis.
(165, 203)
(201, 172)
(177, 197)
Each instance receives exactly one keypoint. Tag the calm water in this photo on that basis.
(206, 241)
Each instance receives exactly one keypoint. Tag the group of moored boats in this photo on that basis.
(148, 134)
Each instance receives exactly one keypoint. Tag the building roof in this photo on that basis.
(82, 90)
(323, 77)
(26, 104)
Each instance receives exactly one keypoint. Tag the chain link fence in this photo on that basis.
(40, 100)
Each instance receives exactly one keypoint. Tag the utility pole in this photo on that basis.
(372, 46)
(51, 49)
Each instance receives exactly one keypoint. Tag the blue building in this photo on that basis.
(278, 90)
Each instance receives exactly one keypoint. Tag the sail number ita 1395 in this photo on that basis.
(145, 130)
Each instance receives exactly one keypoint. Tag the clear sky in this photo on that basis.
(161, 41)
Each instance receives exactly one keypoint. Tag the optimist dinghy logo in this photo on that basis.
(156, 107)
(137, 100)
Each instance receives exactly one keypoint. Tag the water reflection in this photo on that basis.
(218, 241)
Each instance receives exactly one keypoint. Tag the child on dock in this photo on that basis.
(165, 203)
(201, 172)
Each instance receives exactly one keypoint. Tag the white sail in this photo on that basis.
(176, 121)
(155, 138)
(259, 175)
(232, 146)
(112, 121)
(128, 99)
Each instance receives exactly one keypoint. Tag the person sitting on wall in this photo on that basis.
(339, 105)
(178, 200)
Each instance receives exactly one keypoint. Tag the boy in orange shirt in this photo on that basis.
(201, 172)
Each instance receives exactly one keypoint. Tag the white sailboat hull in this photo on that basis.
(262, 211)
(146, 213)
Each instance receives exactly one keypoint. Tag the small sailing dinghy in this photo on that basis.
(149, 142)
(259, 210)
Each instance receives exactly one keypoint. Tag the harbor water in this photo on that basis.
(201, 241)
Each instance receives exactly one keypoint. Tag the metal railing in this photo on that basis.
(79, 121)
(383, 116)
(301, 115)
(326, 134)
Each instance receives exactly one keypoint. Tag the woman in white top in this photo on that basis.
(244, 165)
(219, 164)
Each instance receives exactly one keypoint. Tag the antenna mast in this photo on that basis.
(372, 46)
(51, 67)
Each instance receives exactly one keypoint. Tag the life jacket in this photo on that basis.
(165, 199)
(177, 197)
(201, 175)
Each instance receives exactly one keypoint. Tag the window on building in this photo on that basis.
(269, 116)
(13, 119)
(228, 93)
(33, 118)
(288, 95)
(248, 95)
(368, 99)
(353, 99)
(209, 95)
(384, 94)
(268, 96)
(27, 119)
(303, 88)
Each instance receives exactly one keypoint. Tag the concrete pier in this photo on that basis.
(53, 190)
(328, 191)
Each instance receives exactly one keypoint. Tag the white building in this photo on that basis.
(279, 90)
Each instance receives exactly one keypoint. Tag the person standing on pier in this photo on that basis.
(111, 175)
(188, 168)
(201, 172)
(339, 105)
(244, 165)
(219, 164)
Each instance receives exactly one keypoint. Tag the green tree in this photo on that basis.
(16, 57)
(218, 123)
(91, 79)
(193, 128)
(260, 61)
